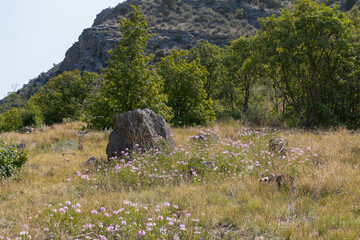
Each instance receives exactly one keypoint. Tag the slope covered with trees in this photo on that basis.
(300, 69)
(173, 24)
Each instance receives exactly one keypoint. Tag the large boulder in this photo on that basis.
(141, 128)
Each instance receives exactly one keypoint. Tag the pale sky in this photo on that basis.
(35, 34)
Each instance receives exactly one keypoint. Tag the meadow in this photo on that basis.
(205, 188)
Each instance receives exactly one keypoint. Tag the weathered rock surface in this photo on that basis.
(90, 161)
(278, 145)
(138, 129)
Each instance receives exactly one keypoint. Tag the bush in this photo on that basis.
(11, 120)
(11, 159)
(32, 115)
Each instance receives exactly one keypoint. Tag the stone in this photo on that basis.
(27, 130)
(280, 180)
(138, 129)
(90, 161)
(278, 145)
(81, 133)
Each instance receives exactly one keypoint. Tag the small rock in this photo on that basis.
(90, 161)
(27, 130)
(69, 153)
(67, 160)
(81, 133)
(278, 145)
(280, 180)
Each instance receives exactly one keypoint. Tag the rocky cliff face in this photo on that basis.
(174, 24)
(171, 29)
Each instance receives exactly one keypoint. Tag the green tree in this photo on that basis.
(32, 115)
(11, 120)
(100, 111)
(184, 85)
(130, 80)
(63, 96)
(211, 57)
(307, 50)
(243, 69)
(12, 100)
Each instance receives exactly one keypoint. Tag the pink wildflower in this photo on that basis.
(141, 233)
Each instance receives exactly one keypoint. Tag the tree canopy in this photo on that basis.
(300, 69)
(130, 80)
(184, 86)
(307, 51)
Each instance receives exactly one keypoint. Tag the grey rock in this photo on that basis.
(81, 133)
(27, 130)
(90, 161)
(141, 128)
(278, 145)
(280, 180)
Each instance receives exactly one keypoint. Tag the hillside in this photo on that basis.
(175, 24)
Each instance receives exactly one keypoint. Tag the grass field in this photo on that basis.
(207, 188)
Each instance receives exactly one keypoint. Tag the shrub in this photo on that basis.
(11, 159)
(11, 120)
(239, 13)
(64, 96)
(32, 115)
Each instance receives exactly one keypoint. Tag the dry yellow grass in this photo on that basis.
(323, 204)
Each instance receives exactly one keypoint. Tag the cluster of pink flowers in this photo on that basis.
(198, 161)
